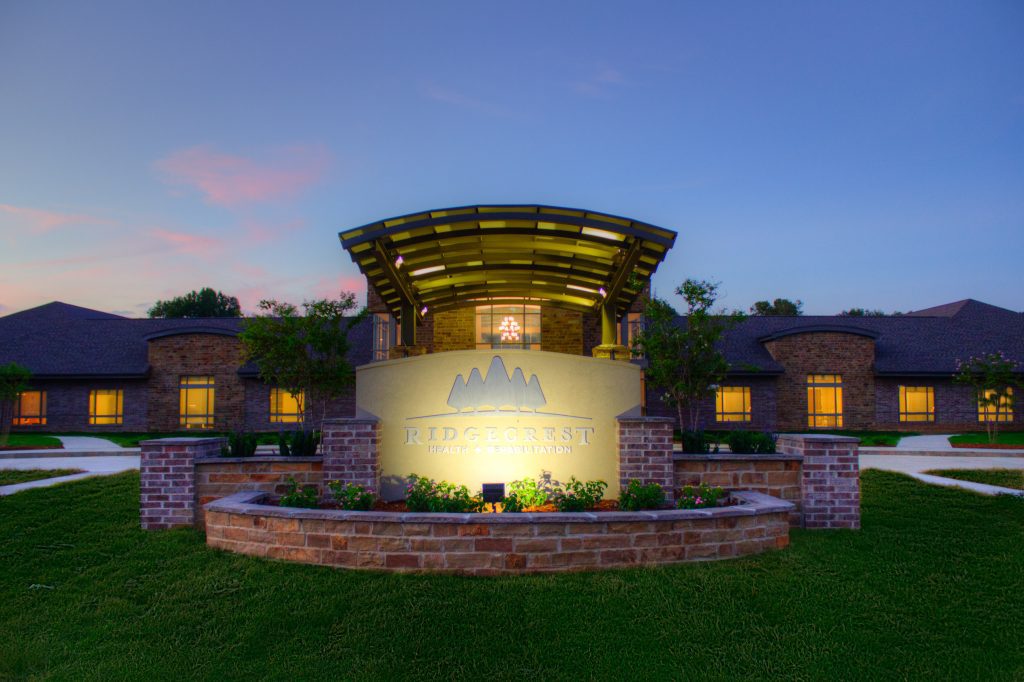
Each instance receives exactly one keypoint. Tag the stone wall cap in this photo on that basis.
(729, 457)
(653, 420)
(819, 437)
(352, 420)
(256, 458)
(199, 440)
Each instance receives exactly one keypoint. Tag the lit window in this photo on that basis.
(508, 326)
(30, 409)
(383, 326)
(732, 404)
(630, 330)
(106, 407)
(989, 409)
(917, 404)
(285, 407)
(196, 395)
(824, 400)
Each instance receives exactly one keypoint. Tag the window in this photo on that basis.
(285, 407)
(824, 400)
(917, 404)
(196, 402)
(732, 404)
(508, 326)
(30, 409)
(106, 407)
(987, 411)
(630, 330)
(383, 335)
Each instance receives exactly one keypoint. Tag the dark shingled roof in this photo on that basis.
(61, 340)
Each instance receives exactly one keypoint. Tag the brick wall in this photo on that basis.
(220, 477)
(454, 330)
(830, 479)
(172, 357)
(351, 452)
(490, 544)
(67, 405)
(645, 452)
(776, 475)
(762, 406)
(561, 331)
(167, 492)
(849, 355)
(591, 332)
(257, 408)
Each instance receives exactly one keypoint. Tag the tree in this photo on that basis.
(992, 378)
(203, 303)
(862, 312)
(682, 359)
(304, 352)
(780, 306)
(13, 381)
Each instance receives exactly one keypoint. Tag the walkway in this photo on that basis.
(932, 442)
(92, 466)
(915, 465)
(88, 443)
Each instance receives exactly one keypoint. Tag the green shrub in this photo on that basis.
(298, 443)
(578, 495)
(240, 444)
(637, 496)
(351, 496)
(296, 497)
(530, 491)
(696, 442)
(512, 504)
(700, 497)
(751, 442)
(426, 495)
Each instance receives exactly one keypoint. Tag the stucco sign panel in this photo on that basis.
(494, 416)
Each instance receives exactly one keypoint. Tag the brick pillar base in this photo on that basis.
(645, 452)
(351, 449)
(167, 493)
(830, 482)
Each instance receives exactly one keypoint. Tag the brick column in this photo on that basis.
(830, 482)
(167, 493)
(645, 452)
(351, 449)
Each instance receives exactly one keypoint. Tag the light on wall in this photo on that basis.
(509, 329)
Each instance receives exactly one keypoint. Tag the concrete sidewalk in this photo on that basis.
(92, 465)
(914, 465)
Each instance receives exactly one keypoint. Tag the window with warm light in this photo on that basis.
(30, 409)
(732, 404)
(917, 404)
(106, 407)
(989, 411)
(383, 335)
(824, 400)
(630, 331)
(508, 326)
(196, 396)
(285, 407)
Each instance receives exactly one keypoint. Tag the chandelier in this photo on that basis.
(509, 329)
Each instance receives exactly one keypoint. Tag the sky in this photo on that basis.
(847, 154)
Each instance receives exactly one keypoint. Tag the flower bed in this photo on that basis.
(487, 544)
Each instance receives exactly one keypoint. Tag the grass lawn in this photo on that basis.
(1006, 478)
(933, 586)
(24, 439)
(12, 476)
(1013, 438)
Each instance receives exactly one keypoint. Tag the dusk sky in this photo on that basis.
(863, 154)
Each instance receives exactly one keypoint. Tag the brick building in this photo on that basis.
(534, 277)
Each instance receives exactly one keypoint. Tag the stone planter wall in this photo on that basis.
(222, 476)
(491, 544)
(775, 475)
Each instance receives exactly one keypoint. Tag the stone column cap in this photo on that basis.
(199, 440)
(820, 437)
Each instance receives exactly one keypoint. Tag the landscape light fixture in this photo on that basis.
(493, 493)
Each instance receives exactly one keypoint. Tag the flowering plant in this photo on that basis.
(427, 495)
(578, 495)
(699, 497)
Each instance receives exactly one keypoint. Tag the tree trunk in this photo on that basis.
(6, 416)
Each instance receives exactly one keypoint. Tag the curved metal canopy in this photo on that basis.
(475, 255)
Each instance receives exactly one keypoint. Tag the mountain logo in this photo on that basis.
(497, 390)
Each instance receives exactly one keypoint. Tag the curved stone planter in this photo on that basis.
(487, 544)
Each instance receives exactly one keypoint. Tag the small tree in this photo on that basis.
(203, 303)
(304, 352)
(780, 306)
(863, 312)
(682, 359)
(992, 378)
(13, 381)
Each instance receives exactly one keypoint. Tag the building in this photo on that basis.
(532, 277)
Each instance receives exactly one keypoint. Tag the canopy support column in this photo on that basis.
(610, 347)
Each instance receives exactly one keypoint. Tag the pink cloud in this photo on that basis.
(184, 242)
(229, 180)
(40, 220)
